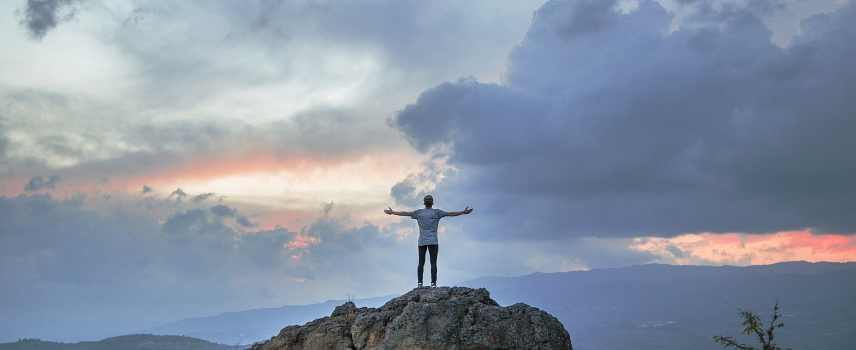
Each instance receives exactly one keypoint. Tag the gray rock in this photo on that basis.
(428, 318)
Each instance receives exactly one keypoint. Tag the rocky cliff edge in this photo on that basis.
(428, 318)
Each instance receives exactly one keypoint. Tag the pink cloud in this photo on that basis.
(745, 249)
(301, 242)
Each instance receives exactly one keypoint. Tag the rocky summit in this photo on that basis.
(428, 318)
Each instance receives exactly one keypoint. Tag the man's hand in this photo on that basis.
(466, 210)
(389, 211)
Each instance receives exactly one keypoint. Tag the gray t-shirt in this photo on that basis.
(429, 220)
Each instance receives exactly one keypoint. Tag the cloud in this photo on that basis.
(742, 249)
(4, 142)
(616, 124)
(179, 194)
(40, 16)
(194, 219)
(409, 35)
(222, 210)
(38, 183)
(87, 148)
(76, 200)
(350, 246)
(146, 189)
(416, 185)
(58, 259)
(245, 59)
(677, 252)
(243, 221)
(201, 197)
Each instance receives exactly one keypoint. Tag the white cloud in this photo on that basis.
(154, 84)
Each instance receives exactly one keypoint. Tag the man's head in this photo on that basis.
(428, 201)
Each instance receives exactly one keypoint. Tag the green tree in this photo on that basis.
(755, 326)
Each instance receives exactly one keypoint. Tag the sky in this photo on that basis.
(162, 160)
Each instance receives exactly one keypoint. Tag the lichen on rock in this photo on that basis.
(428, 318)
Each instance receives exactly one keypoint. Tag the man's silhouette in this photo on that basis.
(429, 221)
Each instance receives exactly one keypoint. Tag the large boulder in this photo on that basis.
(428, 318)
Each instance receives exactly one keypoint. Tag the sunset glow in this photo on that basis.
(301, 242)
(744, 249)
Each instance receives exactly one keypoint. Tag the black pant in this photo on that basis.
(432, 249)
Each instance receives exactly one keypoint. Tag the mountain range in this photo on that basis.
(683, 307)
(638, 307)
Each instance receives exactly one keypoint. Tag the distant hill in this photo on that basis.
(126, 342)
(247, 327)
(682, 307)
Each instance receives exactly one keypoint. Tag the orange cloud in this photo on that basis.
(202, 170)
(195, 170)
(301, 242)
(388, 167)
(745, 249)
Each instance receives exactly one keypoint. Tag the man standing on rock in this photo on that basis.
(429, 221)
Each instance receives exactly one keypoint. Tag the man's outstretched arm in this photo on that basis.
(389, 211)
(466, 210)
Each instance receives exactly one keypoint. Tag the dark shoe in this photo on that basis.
(433, 284)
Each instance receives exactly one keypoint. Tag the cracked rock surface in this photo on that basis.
(428, 318)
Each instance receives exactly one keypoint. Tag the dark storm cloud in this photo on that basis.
(588, 16)
(38, 183)
(611, 124)
(146, 189)
(40, 16)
